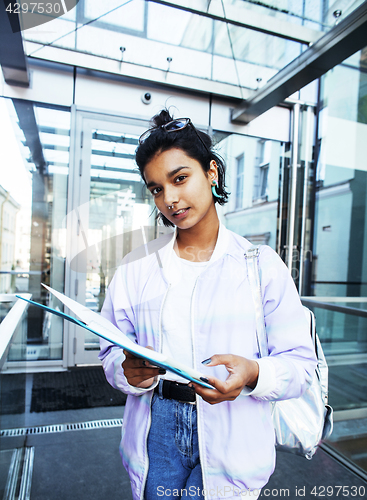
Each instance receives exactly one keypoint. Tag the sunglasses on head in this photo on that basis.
(172, 126)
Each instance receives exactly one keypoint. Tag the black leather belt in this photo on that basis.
(177, 391)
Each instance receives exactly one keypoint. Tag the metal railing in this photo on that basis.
(11, 322)
(331, 304)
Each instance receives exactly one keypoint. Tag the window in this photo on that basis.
(239, 181)
(263, 185)
(261, 171)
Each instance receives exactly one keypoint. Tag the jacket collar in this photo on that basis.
(172, 272)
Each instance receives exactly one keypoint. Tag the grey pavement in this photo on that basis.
(86, 464)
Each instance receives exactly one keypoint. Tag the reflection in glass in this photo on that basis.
(39, 237)
(239, 181)
(253, 179)
(197, 45)
(340, 257)
(120, 214)
(341, 197)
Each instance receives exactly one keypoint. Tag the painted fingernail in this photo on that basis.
(206, 361)
(161, 371)
(205, 380)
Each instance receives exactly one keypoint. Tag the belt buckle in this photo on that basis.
(187, 402)
(178, 384)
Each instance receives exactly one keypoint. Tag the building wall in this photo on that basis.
(255, 217)
(8, 214)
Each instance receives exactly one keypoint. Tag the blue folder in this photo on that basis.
(99, 325)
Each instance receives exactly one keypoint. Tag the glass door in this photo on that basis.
(112, 213)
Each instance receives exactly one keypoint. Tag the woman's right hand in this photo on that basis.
(139, 372)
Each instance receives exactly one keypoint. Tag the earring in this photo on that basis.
(214, 190)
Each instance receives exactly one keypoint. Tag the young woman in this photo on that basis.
(189, 297)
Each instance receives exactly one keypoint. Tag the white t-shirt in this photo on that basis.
(176, 315)
(182, 282)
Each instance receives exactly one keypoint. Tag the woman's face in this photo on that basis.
(178, 181)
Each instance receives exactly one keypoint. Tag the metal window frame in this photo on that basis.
(342, 41)
(246, 18)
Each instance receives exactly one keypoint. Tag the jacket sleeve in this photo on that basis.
(288, 370)
(117, 309)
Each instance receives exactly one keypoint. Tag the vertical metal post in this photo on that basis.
(293, 191)
(280, 204)
(307, 160)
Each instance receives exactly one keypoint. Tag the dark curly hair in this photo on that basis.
(188, 141)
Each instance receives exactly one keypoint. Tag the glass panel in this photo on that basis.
(309, 12)
(184, 29)
(345, 7)
(356, 305)
(170, 39)
(340, 333)
(344, 341)
(149, 33)
(292, 11)
(251, 217)
(341, 196)
(131, 17)
(6, 303)
(340, 257)
(13, 390)
(62, 33)
(121, 213)
(258, 56)
(33, 194)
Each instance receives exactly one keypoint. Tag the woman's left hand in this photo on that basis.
(242, 372)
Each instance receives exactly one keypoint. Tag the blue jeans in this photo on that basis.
(173, 450)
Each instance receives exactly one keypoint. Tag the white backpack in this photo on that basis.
(300, 423)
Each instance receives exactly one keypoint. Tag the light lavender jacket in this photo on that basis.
(236, 439)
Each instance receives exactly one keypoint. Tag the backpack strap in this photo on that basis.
(252, 259)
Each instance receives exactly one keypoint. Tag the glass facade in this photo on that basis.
(119, 211)
(254, 166)
(39, 235)
(72, 203)
(113, 213)
(137, 33)
(339, 253)
(340, 222)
